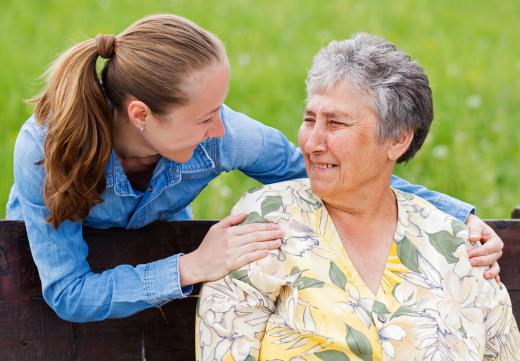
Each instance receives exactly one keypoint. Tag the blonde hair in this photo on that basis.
(148, 61)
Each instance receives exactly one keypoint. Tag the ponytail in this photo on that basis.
(79, 138)
(149, 62)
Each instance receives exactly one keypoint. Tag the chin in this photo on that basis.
(319, 188)
(180, 157)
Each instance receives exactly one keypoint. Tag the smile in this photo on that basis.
(322, 166)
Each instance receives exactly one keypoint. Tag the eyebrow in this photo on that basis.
(328, 115)
(212, 111)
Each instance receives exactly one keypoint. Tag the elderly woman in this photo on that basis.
(365, 272)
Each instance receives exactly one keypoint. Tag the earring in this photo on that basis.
(141, 129)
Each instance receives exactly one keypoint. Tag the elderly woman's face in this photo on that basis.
(339, 141)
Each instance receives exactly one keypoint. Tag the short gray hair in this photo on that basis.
(396, 87)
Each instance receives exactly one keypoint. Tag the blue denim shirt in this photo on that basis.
(72, 289)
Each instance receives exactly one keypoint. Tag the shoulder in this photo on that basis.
(29, 146)
(428, 217)
(32, 134)
(272, 197)
(238, 124)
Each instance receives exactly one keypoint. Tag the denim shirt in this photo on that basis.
(80, 295)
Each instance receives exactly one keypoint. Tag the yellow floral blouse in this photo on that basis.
(307, 302)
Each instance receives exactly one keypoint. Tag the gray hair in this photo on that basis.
(396, 87)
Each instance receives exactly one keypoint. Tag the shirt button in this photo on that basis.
(382, 318)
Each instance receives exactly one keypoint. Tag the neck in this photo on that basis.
(128, 140)
(132, 150)
(366, 204)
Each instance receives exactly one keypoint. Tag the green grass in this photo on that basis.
(468, 48)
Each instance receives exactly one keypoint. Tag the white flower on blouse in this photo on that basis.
(362, 307)
(458, 309)
(228, 311)
(439, 342)
(390, 333)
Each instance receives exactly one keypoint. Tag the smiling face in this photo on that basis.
(339, 141)
(176, 134)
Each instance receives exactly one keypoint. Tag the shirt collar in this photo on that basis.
(170, 170)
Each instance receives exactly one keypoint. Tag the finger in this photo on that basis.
(493, 245)
(257, 246)
(476, 235)
(492, 272)
(256, 237)
(478, 230)
(484, 260)
(253, 227)
(230, 220)
(250, 257)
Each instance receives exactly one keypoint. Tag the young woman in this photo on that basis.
(137, 145)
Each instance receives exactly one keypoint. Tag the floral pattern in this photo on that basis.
(306, 301)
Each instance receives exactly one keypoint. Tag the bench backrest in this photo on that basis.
(30, 330)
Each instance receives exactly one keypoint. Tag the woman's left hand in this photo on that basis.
(491, 250)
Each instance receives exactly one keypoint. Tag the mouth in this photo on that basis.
(320, 167)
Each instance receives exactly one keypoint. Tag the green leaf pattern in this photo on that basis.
(271, 204)
(446, 244)
(408, 254)
(331, 355)
(337, 276)
(359, 344)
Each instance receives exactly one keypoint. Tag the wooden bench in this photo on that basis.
(29, 329)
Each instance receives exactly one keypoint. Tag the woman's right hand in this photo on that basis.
(228, 245)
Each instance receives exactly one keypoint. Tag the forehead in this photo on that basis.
(342, 98)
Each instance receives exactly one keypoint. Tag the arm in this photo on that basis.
(69, 286)
(231, 318)
(502, 336)
(445, 203)
(259, 151)
(232, 312)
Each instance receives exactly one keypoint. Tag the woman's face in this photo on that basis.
(176, 134)
(339, 142)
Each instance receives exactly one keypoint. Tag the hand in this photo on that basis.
(227, 247)
(490, 252)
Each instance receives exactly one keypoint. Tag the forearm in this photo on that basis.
(118, 292)
(261, 152)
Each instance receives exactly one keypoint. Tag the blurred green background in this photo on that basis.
(470, 50)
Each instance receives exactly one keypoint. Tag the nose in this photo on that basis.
(217, 128)
(316, 139)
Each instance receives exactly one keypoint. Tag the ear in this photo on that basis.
(138, 112)
(399, 146)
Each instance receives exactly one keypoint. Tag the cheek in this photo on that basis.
(302, 137)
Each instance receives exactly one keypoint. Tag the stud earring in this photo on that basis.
(141, 129)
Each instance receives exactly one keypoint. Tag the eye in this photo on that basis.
(336, 124)
(206, 121)
(309, 120)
